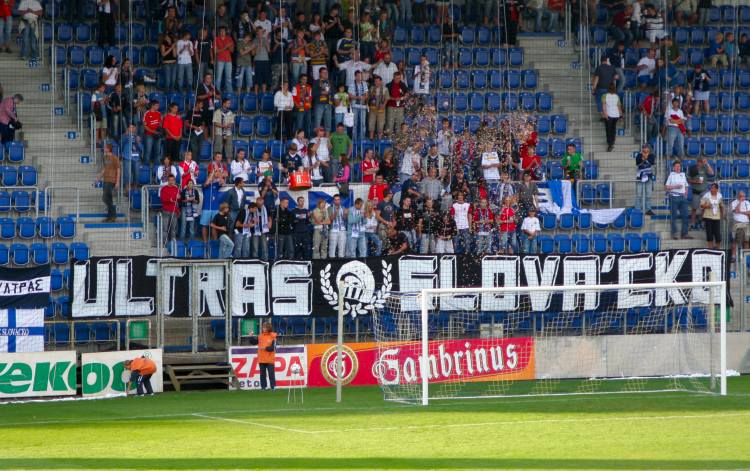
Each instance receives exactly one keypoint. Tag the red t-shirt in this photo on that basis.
(224, 56)
(173, 124)
(169, 196)
(189, 171)
(6, 7)
(152, 119)
(367, 165)
(486, 214)
(376, 191)
(507, 219)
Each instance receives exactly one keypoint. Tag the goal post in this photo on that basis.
(552, 340)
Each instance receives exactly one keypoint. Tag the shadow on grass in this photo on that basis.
(366, 463)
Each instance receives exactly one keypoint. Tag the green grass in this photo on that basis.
(260, 430)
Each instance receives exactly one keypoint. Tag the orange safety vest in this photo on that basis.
(144, 366)
(302, 97)
(266, 340)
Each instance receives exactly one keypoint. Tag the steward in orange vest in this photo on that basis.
(141, 369)
(266, 355)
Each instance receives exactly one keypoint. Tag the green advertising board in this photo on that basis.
(37, 374)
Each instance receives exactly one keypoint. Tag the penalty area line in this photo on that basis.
(253, 424)
(533, 422)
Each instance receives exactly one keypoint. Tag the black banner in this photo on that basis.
(127, 286)
(25, 288)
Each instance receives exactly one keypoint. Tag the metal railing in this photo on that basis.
(51, 192)
(72, 342)
(79, 114)
(33, 202)
(568, 25)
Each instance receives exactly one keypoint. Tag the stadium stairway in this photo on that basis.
(561, 75)
(57, 155)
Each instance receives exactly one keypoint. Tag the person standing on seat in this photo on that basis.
(141, 369)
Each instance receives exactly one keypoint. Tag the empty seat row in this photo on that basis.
(631, 218)
(14, 151)
(478, 102)
(433, 34)
(24, 175)
(85, 32)
(19, 200)
(44, 227)
(40, 253)
(598, 243)
(713, 146)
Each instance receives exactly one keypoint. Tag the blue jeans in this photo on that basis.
(297, 69)
(322, 116)
(643, 195)
(259, 247)
(245, 77)
(373, 240)
(675, 136)
(529, 245)
(679, 204)
(187, 228)
(6, 26)
(507, 241)
(129, 172)
(184, 77)
(483, 244)
(302, 121)
(404, 16)
(151, 149)
(226, 246)
(170, 76)
(224, 72)
(554, 20)
(356, 247)
(463, 241)
(29, 44)
(360, 124)
(600, 92)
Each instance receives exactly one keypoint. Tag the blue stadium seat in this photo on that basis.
(133, 53)
(196, 249)
(462, 79)
(499, 57)
(515, 56)
(473, 122)
(77, 56)
(510, 101)
(543, 124)
(20, 254)
(743, 101)
(60, 253)
(651, 241)
(496, 79)
(708, 144)
(21, 201)
(95, 56)
(27, 175)
(741, 168)
(726, 124)
(599, 35)
(604, 193)
(263, 126)
(413, 56)
(465, 57)
(724, 168)
(530, 79)
(479, 79)
(542, 148)
(742, 123)
(710, 123)
(66, 227)
(39, 253)
(494, 102)
(482, 57)
(400, 36)
(546, 244)
(26, 227)
(56, 279)
(560, 124)
(564, 243)
(548, 221)
(79, 251)
(743, 78)
(433, 57)
(249, 102)
(417, 34)
(266, 102)
(7, 228)
(8, 176)
(724, 144)
(554, 170)
(544, 100)
(434, 34)
(557, 147)
(64, 33)
(150, 56)
(460, 102)
(583, 221)
(599, 243)
(5, 201)
(681, 36)
(16, 151)
(692, 146)
(581, 243)
(567, 221)
(590, 170)
(512, 79)
(468, 35)
(244, 126)
(635, 218)
(528, 101)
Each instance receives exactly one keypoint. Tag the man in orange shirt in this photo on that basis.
(141, 370)
(266, 355)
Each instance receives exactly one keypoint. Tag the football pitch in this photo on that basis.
(261, 430)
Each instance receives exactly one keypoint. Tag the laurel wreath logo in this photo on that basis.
(377, 300)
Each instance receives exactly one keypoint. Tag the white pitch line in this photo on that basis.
(381, 410)
(254, 424)
(537, 421)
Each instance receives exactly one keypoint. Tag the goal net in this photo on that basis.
(551, 341)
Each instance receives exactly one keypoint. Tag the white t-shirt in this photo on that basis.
(531, 224)
(265, 166)
(240, 169)
(322, 152)
(461, 215)
(611, 100)
(490, 158)
(672, 112)
(184, 56)
(317, 173)
(744, 207)
(408, 162)
(265, 24)
(386, 72)
(650, 66)
(114, 74)
(351, 67)
(677, 179)
(422, 79)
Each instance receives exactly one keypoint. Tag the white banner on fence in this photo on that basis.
(290, 366)
(103, 374)
(37, 374)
